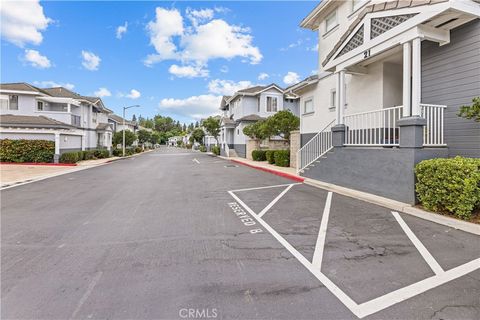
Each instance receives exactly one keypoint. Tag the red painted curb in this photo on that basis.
(272, 171)
(40, 164)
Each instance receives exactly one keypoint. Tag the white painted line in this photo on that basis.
(270, 205)
(322, 234)
(346, 300)
(86, 222)
(61, 246)
(267, 187)
(87, 293)
(417, 288)
(195, 160)
(429, 259)
(377, 304)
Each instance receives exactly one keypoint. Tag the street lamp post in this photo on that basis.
(123, 138)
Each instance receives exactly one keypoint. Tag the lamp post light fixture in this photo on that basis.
(123, 140)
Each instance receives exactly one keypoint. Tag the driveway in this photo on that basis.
(174, 234)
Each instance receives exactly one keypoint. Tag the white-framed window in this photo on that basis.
(331, 21)
(39, 105)
(357, 4)
(13, 102)
(4, 102)
(308, 106)
(333, 98)
(272, 103)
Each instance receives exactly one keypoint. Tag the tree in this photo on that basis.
(130, 138)
(144, 136)
(212, 126)
(281, 123)
(198, 135)
(134, 119)
(197, 124)
(257, 131)
(471, 112)
(155, 138)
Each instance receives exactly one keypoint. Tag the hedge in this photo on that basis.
(282, 158)
(26, 150)
(451, 185)
(202, 149)
(215, 150)
(270, 156)
(70, 157)
(258, 155)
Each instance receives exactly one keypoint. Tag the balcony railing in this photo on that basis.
(373, 128)
(433, 131)
(315, 148)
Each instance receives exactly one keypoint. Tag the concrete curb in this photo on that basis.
(131, 156)
(272, 171)
(398, 206)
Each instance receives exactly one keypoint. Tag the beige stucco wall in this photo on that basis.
(294, 147)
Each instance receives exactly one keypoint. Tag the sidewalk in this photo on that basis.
(14, 174)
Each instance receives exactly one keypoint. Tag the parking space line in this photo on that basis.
(427, 256)
(195, 160)
(270, 205)
(322, 234)
(267, 187)
(377, 304)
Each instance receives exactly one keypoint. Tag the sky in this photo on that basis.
(172, 58)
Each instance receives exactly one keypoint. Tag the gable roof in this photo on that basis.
(22, 86)
(119, 119)
(250, 117)
(62, 92)
(253, 91)
(32, 122)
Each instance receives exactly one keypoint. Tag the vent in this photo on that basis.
(354, 42)
(383, 24)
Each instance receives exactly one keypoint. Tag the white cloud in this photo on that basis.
(314, 48)
(263, 76)
(195, 107)
(22, 22)
(291, 78)
(36, 59)
(203, 40)
(292, 45)
(134, 94)
(53, 84)
(196, 16)
(102, 92)
(194, 71)
(90, 60)
(167, 23)
(218, 39)
(121, 30)
(227, 87)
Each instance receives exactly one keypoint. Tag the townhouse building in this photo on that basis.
(72, 121)
(248, 106)
(391, 78)
(120, 124)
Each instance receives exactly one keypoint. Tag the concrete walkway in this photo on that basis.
(11, 174)
(286, 171)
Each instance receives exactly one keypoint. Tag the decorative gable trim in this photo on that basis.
(383, 24)
(355, 41)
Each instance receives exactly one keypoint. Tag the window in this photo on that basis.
(271, 104)
(331, 21)
(333, 98)
(13, 102)
(356, 4)
(40, 105)
(308, 106)
(3, 102)
(238, 131)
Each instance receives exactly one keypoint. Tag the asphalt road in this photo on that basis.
(159, 236)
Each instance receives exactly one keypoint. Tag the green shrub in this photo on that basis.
(202, 148)
(282, 158)
(101, 153)
(451, 185)
(117, 152)
(188, 146)
(26, 150)
(270, 156)
(138, 149)
(69, 157)
(215, 150)
(89, 155)
(258, 155)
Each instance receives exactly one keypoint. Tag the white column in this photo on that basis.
(407, 74)
(83, 142)
(340, 97)
(57, 143)
(416, 75)
(69, 108)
